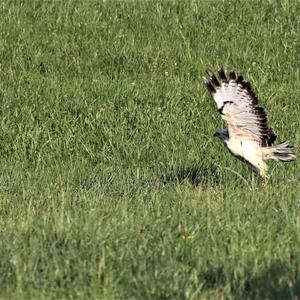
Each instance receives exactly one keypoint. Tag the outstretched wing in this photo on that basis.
(238, 105)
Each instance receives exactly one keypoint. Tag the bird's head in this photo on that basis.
(222, 134)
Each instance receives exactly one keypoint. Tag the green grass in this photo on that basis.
(112, 185)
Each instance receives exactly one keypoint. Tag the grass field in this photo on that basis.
(112, 184)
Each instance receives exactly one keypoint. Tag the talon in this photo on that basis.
(265, 178)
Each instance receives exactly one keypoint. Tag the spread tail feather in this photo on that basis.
(281, 152)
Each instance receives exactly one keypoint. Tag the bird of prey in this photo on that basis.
(248, 135)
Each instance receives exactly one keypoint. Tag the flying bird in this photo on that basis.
(248, 135)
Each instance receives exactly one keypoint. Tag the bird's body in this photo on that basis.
(248, 136)
(248, 151)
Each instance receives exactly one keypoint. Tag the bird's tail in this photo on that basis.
(281, 152)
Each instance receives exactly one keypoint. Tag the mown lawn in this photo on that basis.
(112, 185)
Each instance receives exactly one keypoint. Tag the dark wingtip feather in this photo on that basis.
(209, 73)
(240, 79)
(222, 73)
(212, 77)
(232, 76)
(209, 85)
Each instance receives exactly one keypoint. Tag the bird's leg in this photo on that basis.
(253, 175)
(265, 176)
